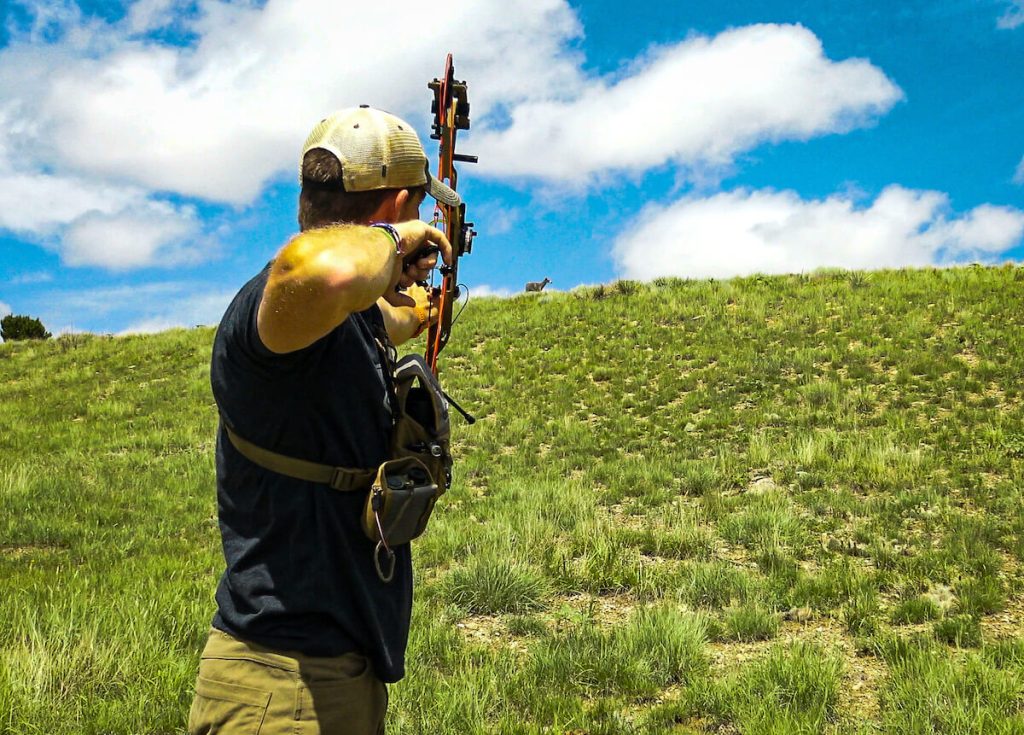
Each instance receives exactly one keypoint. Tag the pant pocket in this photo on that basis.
(225, 708)
(355, 707)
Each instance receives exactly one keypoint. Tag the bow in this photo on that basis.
(451, 114)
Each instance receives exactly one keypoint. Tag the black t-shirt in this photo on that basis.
(300, 574)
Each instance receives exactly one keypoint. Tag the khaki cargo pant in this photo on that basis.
(245, 689)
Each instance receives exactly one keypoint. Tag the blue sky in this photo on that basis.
(148, 150)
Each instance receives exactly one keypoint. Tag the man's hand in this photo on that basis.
(419, 236)
(414, 304)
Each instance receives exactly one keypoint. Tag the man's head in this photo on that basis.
(355, 166)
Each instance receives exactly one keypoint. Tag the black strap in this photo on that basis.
(339, 478)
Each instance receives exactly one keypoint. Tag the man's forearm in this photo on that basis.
(321, 277)
(359, 264)
(402, 322)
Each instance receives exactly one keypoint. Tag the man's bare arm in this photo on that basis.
(323, 275)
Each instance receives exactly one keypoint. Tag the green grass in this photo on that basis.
(929, 692)
(687, 506)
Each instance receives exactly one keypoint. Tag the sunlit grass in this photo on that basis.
(672, 490)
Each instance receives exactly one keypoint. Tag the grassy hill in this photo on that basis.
(765, 505)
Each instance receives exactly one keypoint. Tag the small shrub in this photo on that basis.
(489, 585)
(712, 585)
(861, 613)
(625, 287)
(658, 647)
(698, 477)
(962, 631)
(72, 340)
(859, 279)
(526, 626)
(916, 611)
(982, 596)
(820, 393)
(750, 622)
(18, 326)
(929, 692)
(775, 561)
(770, 521)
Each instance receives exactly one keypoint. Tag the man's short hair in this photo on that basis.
(324, 202)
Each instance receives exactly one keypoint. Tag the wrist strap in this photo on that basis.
(424, 316)
(393, 233)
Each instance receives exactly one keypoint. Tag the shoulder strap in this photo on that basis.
(339, 478)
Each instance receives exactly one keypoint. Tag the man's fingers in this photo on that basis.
(438, 238)
(418, 235)
(417, 273)
(427, 263)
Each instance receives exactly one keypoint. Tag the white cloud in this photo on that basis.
(89, 221)
(114, 227)
(43, 19)
(1018, 177)
(496, 219)
(1013, 17)
(743, 232)
(483, 291)
(43, 203)
(27, 279)
(697, 103)
(146, 307)
(131, 239)
(220, 118)
(149, 15)
(186, 311)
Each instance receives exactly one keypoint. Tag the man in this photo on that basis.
(307, 633)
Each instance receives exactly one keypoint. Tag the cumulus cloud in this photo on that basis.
(132, 239)
(150, 15)
(87, 220)
(1013, 17)
(696, 103)
(5, 309)
(42, 203)
(221, 117)
(94, 224)
(763, 231)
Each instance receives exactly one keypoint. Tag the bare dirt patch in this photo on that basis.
(17, 552)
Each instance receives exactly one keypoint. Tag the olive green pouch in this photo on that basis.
(397, 509)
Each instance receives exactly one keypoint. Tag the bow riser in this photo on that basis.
(451, 114)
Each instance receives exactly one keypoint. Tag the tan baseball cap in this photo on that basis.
(377, 150)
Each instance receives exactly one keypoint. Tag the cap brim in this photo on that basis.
(442, 192)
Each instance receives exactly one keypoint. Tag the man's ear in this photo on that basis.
(390, 209)
(400, 199)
